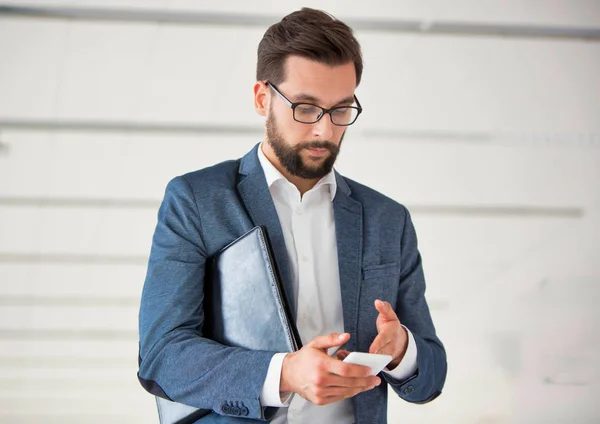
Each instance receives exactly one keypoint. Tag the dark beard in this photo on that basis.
(289, 156)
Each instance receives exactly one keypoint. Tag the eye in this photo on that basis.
(307, 109)
(342, 111)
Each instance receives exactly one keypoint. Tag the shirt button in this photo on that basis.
(304, 258)
(299, 210)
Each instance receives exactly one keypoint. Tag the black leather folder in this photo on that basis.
(245, 306)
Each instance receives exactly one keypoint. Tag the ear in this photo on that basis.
(261, 99)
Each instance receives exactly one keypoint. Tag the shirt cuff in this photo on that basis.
(269, 395)
(408, 366)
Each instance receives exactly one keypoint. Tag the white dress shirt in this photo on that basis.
(309, 231)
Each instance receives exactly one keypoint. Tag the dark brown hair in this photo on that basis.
(308, 33)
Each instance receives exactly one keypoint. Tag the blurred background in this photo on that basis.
(482, 117)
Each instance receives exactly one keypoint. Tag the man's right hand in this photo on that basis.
(321, 379)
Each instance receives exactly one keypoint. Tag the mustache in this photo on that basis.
(318, 144)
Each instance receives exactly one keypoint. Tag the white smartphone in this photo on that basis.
(375, 361)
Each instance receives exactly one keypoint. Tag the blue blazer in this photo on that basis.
(205, 210)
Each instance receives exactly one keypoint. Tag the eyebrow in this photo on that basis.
(302, 97)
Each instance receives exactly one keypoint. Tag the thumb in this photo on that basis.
(341, 354)
(330, 340)
(386, 311)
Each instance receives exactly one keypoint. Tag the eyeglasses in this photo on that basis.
(308, 113)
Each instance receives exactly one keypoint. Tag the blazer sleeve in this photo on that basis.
(176, 361)
(413, 312)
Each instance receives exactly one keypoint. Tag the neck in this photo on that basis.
(302, 184)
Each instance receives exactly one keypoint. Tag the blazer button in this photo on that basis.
(226, 409)
(244, 411)
(235, 411)
(409, 390)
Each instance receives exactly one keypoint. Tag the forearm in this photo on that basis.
(413, 312)
(272, 394)
(176, 360)
(407, 366)
(202, 373)
(430, 376)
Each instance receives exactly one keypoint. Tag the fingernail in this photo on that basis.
(341, 336)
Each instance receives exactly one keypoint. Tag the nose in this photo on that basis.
(323, 128)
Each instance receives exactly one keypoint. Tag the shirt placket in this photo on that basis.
(308, 312)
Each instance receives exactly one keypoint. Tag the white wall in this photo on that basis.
(493, 143)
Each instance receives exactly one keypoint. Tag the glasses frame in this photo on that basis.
(324, 111)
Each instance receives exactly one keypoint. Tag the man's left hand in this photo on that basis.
(392, 338)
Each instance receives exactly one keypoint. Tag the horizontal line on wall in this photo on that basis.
(429, 135)
(67, 362)
(16, 415)
(69, 301)
(89, 384)
(110, 302)
(583, 139)
(78, 202)
(127, 127)
(67, 334)
(73, 259)
(442, 27)
(438, 209)
(513, 138)
(499, 211)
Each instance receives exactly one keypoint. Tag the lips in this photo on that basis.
(317, 151)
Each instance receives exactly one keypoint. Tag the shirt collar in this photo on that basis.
(272, 174)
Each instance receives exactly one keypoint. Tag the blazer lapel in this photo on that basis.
(348, 230)
(255, 195)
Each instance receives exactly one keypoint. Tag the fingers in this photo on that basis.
(344, 369)
(336, 381)
(323, 379)
(381, 342)
(322, 394)
(338, 393)
(335, 373)
(385, 309)
(330, 340)
(341, 354)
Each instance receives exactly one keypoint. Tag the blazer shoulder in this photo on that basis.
(213, 177)
(373, 199)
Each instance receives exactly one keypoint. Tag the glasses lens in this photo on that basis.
(344, 115)
(307, 113)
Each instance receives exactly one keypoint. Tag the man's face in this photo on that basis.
(309, 150)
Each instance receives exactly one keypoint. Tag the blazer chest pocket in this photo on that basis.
(377, 283)
(379, 271)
